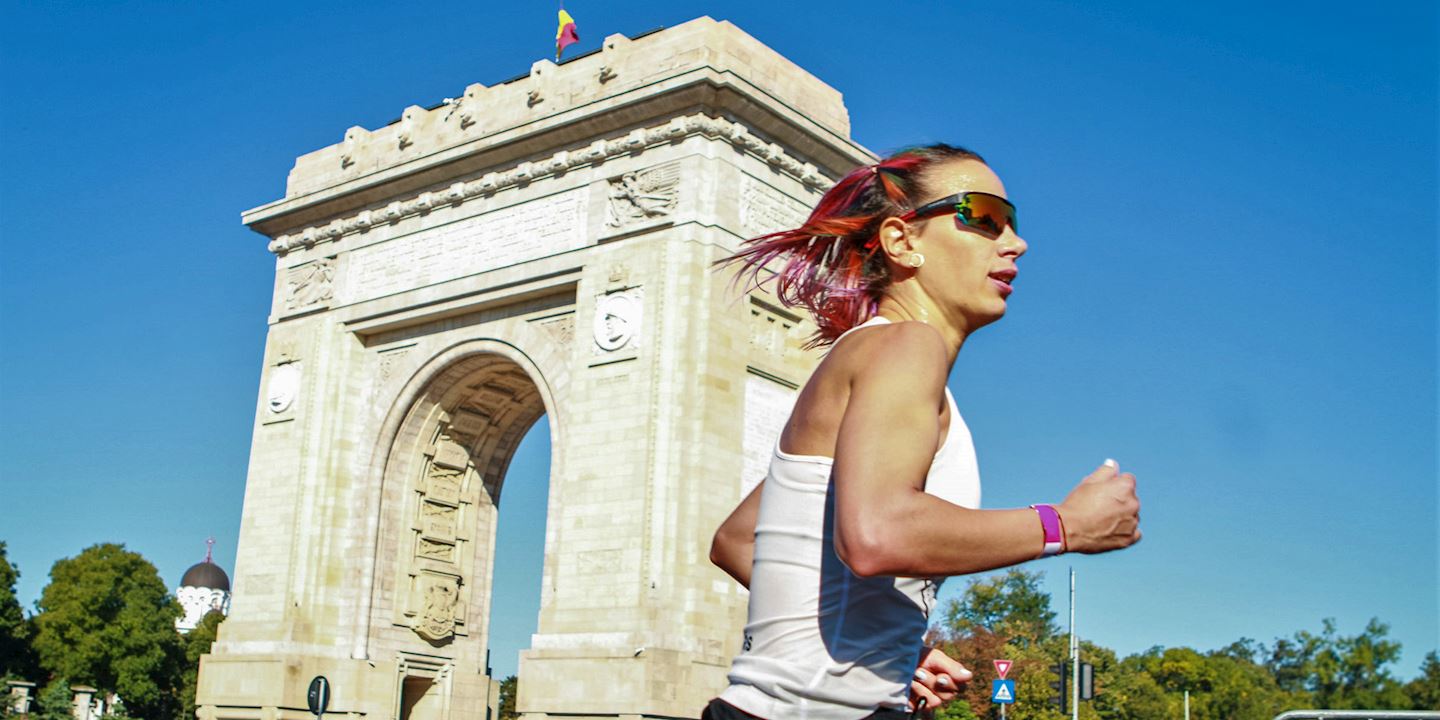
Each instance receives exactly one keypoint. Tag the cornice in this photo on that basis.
(597, 152)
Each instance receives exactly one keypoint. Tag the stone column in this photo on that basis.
(21, 693)
(82, 705)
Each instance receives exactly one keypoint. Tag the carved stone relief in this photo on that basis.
(442, 504)
(451, 454)
(618, 318)
(434, 550)
(443, 484)
(467, 422)
(511, 235)
(438, 521)
(390, 360)
(596, 152)
(639, 197)
(310, 284)
(560, 329)
(282, 388)
(764, 209)
(434, 598)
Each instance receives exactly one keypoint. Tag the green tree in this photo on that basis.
(1130, 693)
(1340, 672)
(1223, 685)
(508, 687)
(105, 619)
(54, 701)
(1424, 690)
(16, 658)
(1011, 605)
(197, 643)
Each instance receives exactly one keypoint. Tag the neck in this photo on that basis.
(920, 309)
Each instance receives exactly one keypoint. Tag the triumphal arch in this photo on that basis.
(536, 248)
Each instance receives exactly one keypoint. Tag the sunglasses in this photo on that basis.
(982, 212)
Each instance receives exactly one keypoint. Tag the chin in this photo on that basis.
(980, 320)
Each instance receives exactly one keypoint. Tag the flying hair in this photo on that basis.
(832, 265)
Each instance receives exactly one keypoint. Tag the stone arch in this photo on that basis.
(440, 465)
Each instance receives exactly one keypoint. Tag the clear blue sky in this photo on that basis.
(1231, 287)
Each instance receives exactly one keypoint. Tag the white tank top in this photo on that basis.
(822, 643)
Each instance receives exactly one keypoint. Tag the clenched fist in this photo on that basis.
(1102, 513)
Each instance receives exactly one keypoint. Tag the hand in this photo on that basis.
(938, 679)
(1102, 513)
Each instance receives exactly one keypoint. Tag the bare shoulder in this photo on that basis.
(909, 351)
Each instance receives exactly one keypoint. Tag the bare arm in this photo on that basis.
(733, 549)
(885, 524)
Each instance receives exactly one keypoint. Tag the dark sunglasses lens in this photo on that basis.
(987, 213)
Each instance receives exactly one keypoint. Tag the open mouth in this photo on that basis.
(1004, 279)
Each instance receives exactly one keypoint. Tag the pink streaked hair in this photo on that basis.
(832, 265)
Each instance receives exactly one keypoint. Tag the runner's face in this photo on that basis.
(967, 272)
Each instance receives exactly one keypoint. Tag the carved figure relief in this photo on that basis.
(282, 388)
(438, 533)
(636, 197)
(433, 550)
(310, 284)
(617, 320)
(443, 484)
(436, 604)
(437, 521)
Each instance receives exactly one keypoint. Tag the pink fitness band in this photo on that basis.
(1054, 536)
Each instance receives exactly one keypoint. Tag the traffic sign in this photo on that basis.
(1002, 667)
(1002, 691)
(319, 696)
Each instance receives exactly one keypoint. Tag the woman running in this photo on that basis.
(873, 491)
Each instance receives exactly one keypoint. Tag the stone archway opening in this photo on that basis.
(518, 572)
(443, 488)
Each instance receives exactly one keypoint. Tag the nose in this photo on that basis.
(1011, 244)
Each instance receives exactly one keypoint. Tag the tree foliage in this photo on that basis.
(1008, 616)
(508, 688)
(1011, 605)
(54, 701)
(106, 619)
(1424, 691)
(1340, 672)
(16, 658)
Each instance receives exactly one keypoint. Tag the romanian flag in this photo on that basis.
(566, 34)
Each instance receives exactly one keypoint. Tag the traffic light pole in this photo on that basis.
(1074, 655)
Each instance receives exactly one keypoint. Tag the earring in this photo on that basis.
(916, 260)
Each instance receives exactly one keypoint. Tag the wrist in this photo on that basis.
(1054, 530)
(1064, 533)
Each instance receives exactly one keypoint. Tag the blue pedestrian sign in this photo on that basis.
(1002, 691)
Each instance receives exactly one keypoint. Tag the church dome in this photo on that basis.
(206, 575)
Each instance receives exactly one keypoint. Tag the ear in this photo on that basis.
(895, 239)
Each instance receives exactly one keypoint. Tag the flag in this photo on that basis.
(566, 34)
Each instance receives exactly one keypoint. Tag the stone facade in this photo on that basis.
(542, 247)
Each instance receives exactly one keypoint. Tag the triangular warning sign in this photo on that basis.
(1002, 667)
(1003, 692)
